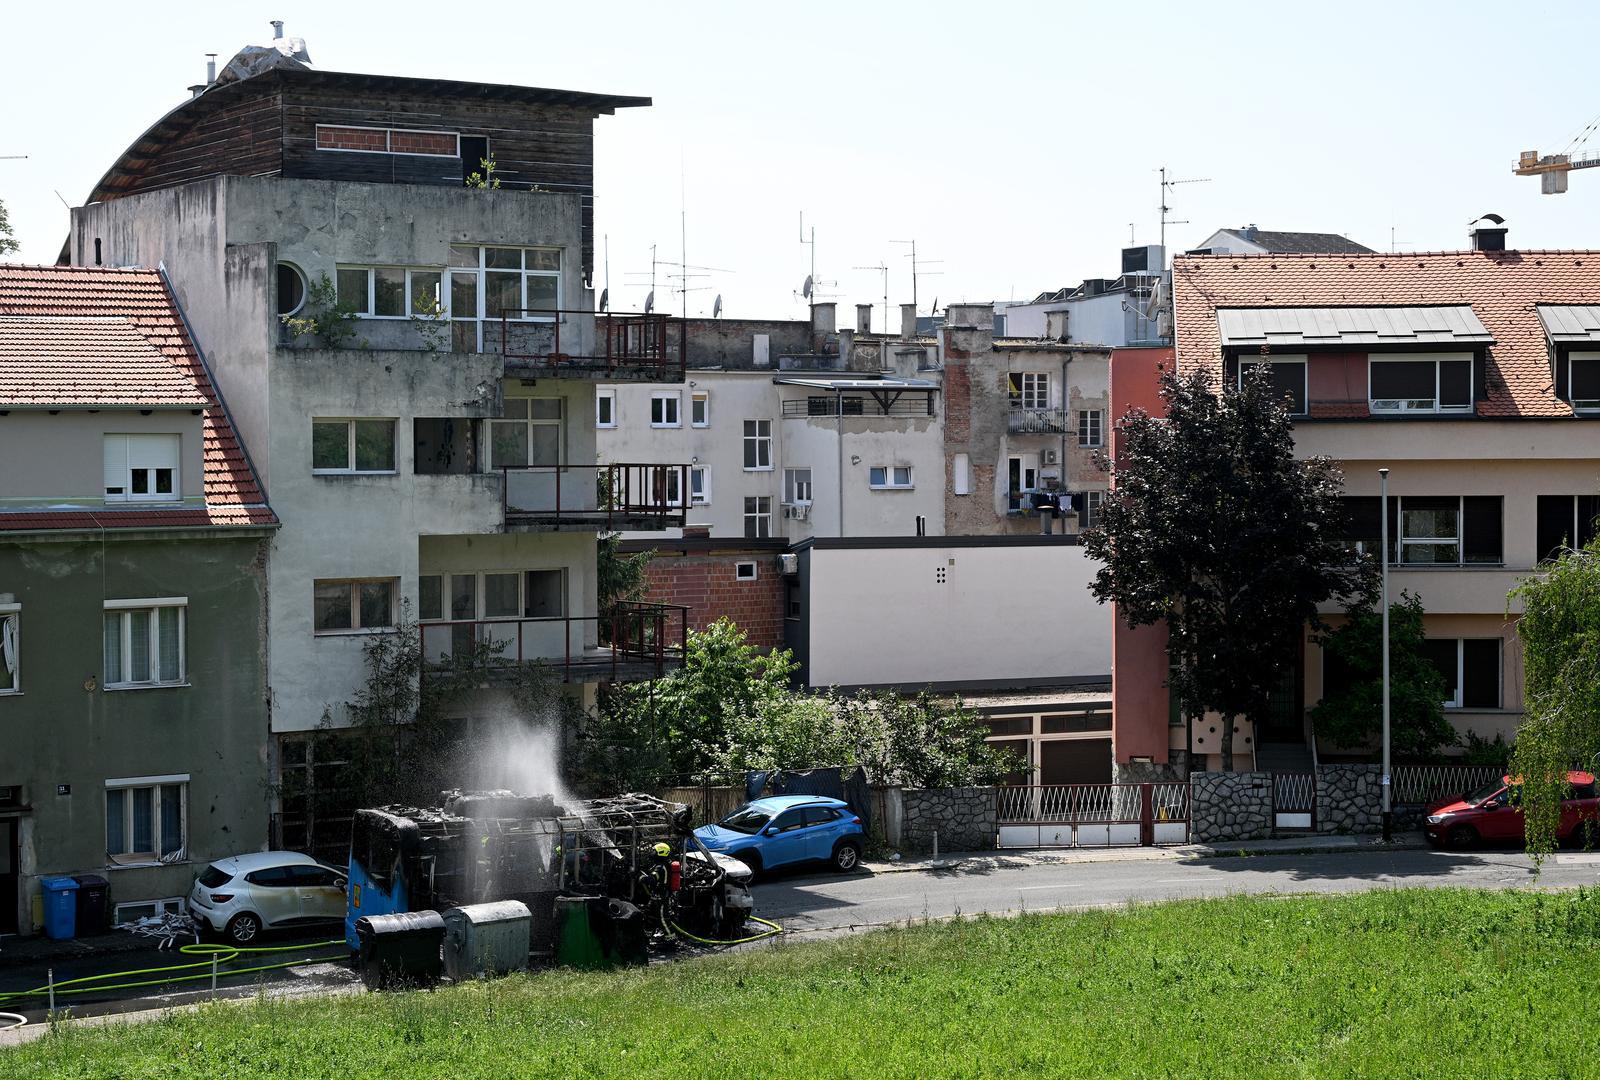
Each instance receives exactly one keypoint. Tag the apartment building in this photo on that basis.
(133, 542)
(1471, 376)
(414, 364)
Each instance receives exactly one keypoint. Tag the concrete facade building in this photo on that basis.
(133, 541)
(417, 363)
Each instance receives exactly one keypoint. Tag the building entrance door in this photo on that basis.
(1075, 761)
(10, 876)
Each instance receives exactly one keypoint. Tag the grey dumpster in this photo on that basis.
(486, 939)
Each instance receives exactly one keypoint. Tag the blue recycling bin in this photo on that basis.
(60, 907)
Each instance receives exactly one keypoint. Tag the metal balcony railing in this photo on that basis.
(1038, 422)
(631, 641)
(644, 347)
(638, 497)
(903, 404)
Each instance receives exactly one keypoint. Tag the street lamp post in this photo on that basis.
(1383, 562)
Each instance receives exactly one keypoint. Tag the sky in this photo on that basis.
(1018, 144)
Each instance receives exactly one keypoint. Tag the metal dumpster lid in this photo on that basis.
(492, 912)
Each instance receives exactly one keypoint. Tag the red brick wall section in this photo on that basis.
(705, 584)
(442, 143)
(341, 138)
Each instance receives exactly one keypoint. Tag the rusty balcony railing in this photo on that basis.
(645, 347)
(630, 641)
(636, 496)
(1022, 421)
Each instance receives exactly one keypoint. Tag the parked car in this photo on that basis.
(1493, 813)
(786, 830)
(241, 896)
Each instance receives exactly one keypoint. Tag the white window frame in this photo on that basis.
(1093, 502)
(409, 292)
(354, 585)
(388, 140)
(126, 642)
(480, 594)
(609, 396)
(891, 478)
(1305, 375)
(559, 422)
(761, 439)
(127, 495)
(11, 615)
(700, 402)
(699, 485)
(1458, 700)
(156, 783)
(350, 445)
(1406, 405)
(162, 905)
(1402, 542)
(674, 398)
(1091, 429)
(1032, 389)
(745, 571)
(792, 485)
(759, 518)
(1585, 405)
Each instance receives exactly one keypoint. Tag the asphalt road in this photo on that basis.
(830, 904)
(824, 905)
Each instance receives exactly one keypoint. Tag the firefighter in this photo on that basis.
(654, 876)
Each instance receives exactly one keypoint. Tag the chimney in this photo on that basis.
(277, 29)
(847, 349)
(1055, 325)
(908, 321)
(1249, 231)
(863, 318)
(211, 68)
(1488, 233)
(822, 325)
(697, 532)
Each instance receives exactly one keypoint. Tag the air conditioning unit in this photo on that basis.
(789, 563)
(1050, 457)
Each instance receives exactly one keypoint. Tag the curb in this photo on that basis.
(1175, 853)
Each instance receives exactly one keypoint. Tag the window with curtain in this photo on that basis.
(10, 648)
(144, 646)
(146, 819)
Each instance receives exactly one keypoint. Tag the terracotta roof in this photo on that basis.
(96, 322)
(1503, 288)
(64, 362)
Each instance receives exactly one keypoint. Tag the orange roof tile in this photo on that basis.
(85, 335)
(1504, 289)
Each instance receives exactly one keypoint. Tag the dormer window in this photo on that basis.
(1287, 375)
(142, 468)
(1420, 384)
(1583, 381)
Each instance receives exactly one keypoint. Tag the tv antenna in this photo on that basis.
(812, 284)
(884, 270)
(1167, 185)
(915, 271)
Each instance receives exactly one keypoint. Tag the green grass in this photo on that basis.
(1404, 983)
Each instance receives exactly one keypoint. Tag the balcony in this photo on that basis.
(603, 345)
(592, 498)
(836, 405)
(632, 642)
(1037, 421)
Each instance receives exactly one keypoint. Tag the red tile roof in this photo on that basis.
(1504, 289)
(112, 332)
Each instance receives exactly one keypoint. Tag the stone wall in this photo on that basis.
(1349, 799)
(1230, 806)
(1173, 771)
(963, 817)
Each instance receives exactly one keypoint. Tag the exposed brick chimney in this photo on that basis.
(908, 320)
(697, 532)
(863, 318)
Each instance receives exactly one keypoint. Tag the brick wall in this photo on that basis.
(383, 140)
(341, 138)
(705, 584)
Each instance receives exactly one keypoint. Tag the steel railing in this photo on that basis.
(902, 403)
(1022, 421)
(1431, 783)
(634, 496)
(629, 636)
(1088, 803)
(649, 346)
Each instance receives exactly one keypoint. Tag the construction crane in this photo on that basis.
(1552, 169)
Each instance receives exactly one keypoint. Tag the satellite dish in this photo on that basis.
(605, 299)
(650, 302)
(716, 308)
(805, 290)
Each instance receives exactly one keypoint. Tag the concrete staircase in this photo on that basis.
(1283, 758)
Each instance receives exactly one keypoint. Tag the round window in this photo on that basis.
(291, 288)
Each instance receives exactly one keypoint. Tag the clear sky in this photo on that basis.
(1015, 142)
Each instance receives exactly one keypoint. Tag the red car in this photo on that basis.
(1492, 814)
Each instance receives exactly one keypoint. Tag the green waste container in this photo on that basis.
(577, 938)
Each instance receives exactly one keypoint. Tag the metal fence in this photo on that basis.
(1431, 783)
(1092, 814)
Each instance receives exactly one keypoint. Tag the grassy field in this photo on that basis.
(1408, 983)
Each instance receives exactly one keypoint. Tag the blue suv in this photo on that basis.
(785, 830)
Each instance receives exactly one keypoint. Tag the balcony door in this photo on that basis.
(1022, 474)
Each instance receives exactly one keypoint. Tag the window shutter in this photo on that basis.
(1481, 529)
(116, 464)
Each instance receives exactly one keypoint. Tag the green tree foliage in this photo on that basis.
(620, 578)
(1214, 527)
(1353, 717)
(1560, 632)
(8, 242)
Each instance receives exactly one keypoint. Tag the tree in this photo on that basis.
(8, 242)
(1560, 633)
(1214, 527)
(1353, 715)
(620, 578)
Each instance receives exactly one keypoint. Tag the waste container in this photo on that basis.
(60, 907)
(401, 949)
(486, 939)
(577, 940)
(93, 907)
(628, 942)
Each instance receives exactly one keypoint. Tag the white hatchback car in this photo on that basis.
(269, 890)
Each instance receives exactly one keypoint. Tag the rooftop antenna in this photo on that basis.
(884, 270)
(1167, 185)
(915, 272)
(1131, 240)
(716, 307)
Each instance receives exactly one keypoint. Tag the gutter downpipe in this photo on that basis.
(838, 430)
